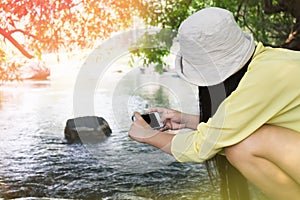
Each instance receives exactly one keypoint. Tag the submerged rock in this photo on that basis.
(34, 71)
(89, 129)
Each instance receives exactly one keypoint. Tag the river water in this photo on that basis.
(36, 161)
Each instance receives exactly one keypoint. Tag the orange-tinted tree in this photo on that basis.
(51, 25)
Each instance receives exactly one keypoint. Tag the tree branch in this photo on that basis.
(8, 36)
(23, 32)
(236, 17)
(270, 8)
(246, 24)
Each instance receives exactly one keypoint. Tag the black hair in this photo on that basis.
(233, 185)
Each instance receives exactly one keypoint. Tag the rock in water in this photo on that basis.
(89, 129)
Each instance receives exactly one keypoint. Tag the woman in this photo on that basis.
(257, 126)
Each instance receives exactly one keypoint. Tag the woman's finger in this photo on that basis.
(137, 115)
(157, 109)
(166, 117)
(166, 127)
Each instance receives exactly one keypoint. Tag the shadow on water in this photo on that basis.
(36, 162)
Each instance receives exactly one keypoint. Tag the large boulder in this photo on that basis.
(89, 129)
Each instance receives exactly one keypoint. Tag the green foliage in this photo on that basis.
(270, 29)
(167, 15)
(153, 48)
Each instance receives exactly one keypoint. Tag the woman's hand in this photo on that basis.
(171, 118)
(175, 120)
(140, 130)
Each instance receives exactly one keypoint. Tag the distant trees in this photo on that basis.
(35, 27)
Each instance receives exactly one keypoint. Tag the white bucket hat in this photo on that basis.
(212, 47)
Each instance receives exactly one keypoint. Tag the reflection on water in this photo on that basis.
(35, 161)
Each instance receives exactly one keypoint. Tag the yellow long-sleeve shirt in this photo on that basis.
(268, 93)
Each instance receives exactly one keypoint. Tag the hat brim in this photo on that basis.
(217, 71)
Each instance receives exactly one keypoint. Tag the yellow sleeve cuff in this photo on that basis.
(184, 148)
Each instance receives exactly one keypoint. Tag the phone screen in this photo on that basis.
(152, 120)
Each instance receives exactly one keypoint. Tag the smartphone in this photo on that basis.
(152, 119)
